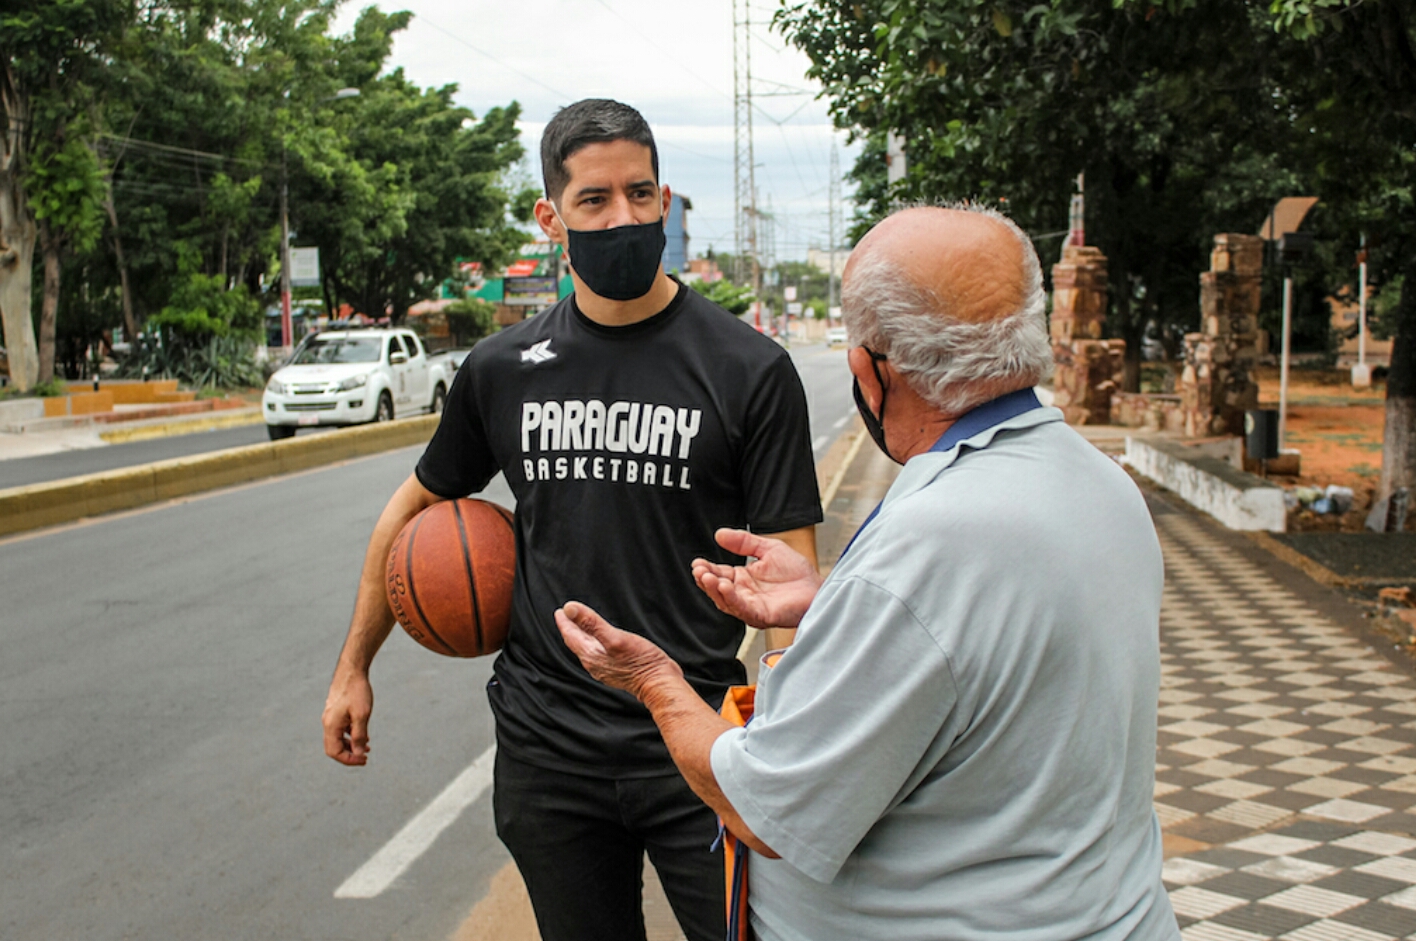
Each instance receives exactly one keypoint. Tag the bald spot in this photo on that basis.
(971, 262)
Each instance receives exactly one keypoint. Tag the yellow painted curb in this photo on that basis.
(235, 418)
(62, 501)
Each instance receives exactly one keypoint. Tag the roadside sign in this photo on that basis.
(305, 267)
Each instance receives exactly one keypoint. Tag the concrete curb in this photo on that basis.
(63, 501)
(1238, 500)
(172, 427)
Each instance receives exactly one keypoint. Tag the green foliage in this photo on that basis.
(202, 307)
(1187, 117)
(50, 388)
(220, 362)
(208, 108)
(735, 299)
(66, 190)
(40, 390)
(1382, 308)
(1304, 19)
(470, 319)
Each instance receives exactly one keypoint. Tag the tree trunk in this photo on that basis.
(1399, 434)
(130, 321)
(17, 238)
(49, 304)
(1122, 301)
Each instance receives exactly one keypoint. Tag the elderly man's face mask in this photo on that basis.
(873, 424)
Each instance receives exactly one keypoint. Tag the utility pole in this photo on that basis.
(744, 167)
(1362, 373)
(832, 216)
(287, 327)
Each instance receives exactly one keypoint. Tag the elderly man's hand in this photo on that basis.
(772, 590)
(614, 657)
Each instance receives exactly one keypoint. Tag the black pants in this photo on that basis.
(580, 843)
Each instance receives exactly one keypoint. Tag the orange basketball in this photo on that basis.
(450, 573)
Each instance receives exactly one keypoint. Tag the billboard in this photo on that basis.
(531, 291)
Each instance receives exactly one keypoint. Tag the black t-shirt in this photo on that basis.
(626, 447)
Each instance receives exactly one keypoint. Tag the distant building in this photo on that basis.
(822, 259)
(676, 232)
(702, 269)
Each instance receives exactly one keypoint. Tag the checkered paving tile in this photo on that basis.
(1285, 759)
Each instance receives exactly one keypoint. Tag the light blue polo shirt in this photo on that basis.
(961, 743)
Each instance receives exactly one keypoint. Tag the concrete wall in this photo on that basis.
(1238, 500)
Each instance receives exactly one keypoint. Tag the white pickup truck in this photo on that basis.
(348, 377)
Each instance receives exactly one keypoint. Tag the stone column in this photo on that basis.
(1217, 385)
(1088, 368)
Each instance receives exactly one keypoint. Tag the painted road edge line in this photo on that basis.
(830, 494)
(376, 875)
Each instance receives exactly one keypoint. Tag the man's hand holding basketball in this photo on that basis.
(346, 718)
(773, 589)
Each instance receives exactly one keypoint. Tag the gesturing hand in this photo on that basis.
(614, 657)
(772, 590)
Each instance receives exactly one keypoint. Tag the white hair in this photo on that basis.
(953, 364)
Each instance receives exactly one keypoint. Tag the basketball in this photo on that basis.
(450, 573)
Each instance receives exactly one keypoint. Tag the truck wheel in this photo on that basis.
(439, 399)
(280, 432)
(385, 410)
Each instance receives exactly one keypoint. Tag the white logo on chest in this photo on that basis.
(538, 353)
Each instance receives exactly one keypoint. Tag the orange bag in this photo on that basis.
(737, 708)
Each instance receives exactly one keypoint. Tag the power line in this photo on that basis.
(658, 46)
(482, 52)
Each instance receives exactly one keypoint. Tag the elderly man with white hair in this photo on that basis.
(961, 743)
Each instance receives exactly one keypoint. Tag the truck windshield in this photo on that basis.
(340, 350)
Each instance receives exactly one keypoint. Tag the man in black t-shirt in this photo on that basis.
(631, 421)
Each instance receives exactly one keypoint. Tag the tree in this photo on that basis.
(735, 299)
(210, 107)
(446, 170)
(1007, 102)
(470, 319)
(50, 181)
(1353, 79)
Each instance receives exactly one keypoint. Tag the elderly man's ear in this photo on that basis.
(859, 362)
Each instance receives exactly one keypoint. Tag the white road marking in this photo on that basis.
(841, 423)
(820, 442)
(419, 833)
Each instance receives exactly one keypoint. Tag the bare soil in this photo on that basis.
(1338, 431)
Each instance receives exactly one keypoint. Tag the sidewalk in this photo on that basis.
(54, 435)
(1285, 767)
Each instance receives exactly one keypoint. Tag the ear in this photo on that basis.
(666, 199)
(549, 221)
(859, 362)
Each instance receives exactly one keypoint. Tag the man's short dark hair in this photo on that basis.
(591, 121)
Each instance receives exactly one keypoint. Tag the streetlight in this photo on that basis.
(287, 327)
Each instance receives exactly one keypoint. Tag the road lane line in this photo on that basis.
(819, 443)
(841, 423)
(419, 833)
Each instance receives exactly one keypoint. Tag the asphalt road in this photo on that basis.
(160, 695)
(42, 468)
(822, 369)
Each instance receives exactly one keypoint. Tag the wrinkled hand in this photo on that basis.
(772, 590)
(614, 657)
(346, 718)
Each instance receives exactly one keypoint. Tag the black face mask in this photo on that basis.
(620, 263)
(875, 426)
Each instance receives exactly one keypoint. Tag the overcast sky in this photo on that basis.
(671, 59)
